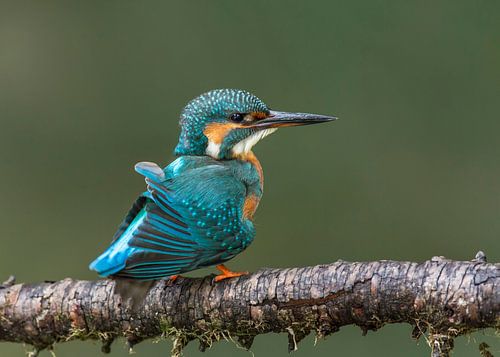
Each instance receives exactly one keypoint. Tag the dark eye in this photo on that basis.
(237, 117)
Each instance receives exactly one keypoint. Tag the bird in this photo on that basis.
(198, 211)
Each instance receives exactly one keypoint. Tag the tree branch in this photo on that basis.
(440, 297)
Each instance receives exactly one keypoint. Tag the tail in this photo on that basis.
(105, 265)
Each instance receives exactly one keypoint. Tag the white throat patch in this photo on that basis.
(245, 145)
(212, 149)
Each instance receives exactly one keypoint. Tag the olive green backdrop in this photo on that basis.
(412, 169)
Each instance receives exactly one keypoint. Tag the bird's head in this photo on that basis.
(226, 123)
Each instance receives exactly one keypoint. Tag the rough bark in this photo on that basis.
(439, 297)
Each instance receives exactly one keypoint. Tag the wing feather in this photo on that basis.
(181, 223)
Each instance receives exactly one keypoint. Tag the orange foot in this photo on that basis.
(226, 273)
(173, 278)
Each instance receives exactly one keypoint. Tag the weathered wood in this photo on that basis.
(441, 297)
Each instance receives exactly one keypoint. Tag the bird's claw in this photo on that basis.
(227, 273)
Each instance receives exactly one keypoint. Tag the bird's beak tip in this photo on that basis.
(278, 119)
(331, 118)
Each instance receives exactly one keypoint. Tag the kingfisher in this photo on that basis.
(198, 211)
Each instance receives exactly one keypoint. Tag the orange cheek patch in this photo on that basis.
(216, 132)
(250, 206)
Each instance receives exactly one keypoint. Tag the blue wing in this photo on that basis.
(181, 223)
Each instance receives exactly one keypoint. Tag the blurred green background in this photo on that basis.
(411, 170)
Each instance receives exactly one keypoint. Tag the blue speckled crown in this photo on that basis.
(213, 106)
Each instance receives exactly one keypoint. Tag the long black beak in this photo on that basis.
(279, 119)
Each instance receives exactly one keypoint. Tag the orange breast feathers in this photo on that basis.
(252, 201)
(251, 158)
(250, 206)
